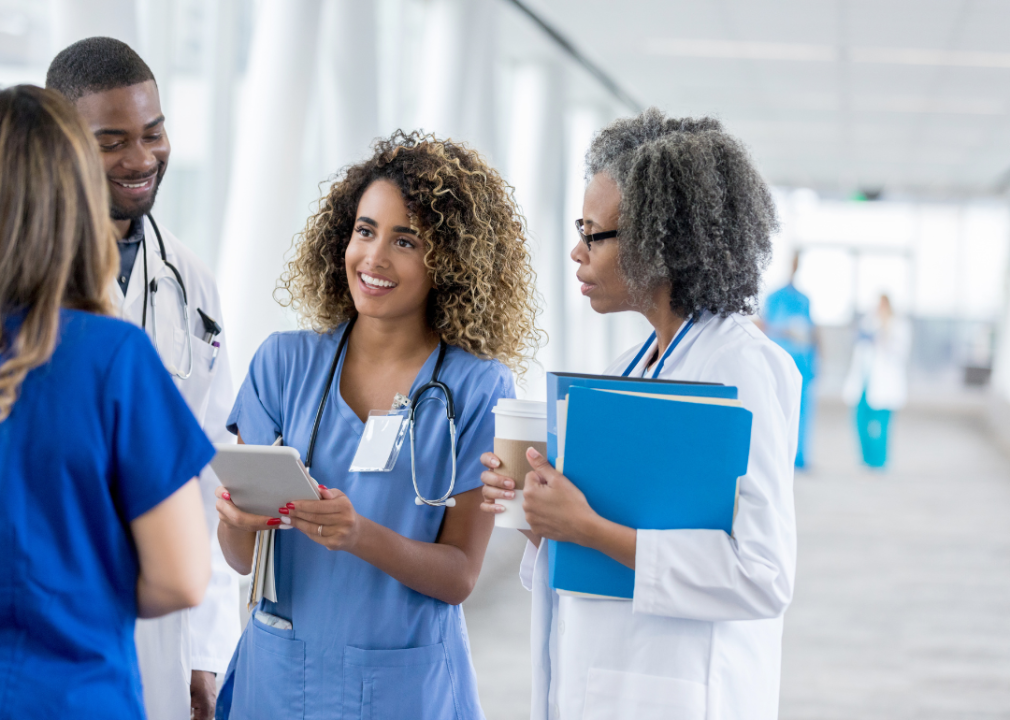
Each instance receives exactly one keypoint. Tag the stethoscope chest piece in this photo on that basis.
(414, 403)
(150, 296)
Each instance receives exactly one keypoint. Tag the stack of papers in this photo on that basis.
(648, 454)
(262, 585)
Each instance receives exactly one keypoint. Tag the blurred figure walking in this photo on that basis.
(877, 383)
(786, 321)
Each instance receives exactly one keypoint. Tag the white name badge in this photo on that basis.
(381, 441)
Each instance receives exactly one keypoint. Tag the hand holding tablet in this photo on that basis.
(263, 478)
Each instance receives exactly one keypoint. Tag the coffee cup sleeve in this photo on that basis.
(512, 454)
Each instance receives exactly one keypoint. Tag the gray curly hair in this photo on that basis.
(694, 211)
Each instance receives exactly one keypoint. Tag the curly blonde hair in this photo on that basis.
(477, 255)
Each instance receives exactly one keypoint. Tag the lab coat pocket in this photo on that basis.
(414, 683)
(614, 695)
(269, 675)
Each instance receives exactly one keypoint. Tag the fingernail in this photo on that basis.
(509, 484)
(495, 462)
(226, 496)
(290, 506)
(274, 521)
(283, 511)
(286, 520)
(533, 452)
(509, 494)
(322, 487)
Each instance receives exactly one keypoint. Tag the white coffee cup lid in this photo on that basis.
(521, 408)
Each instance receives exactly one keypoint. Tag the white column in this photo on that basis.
(456, 84)
(262, 214)
(223, 47)
(589, 335)
(535, 168)
(75, 20)
(1001, 355)
(348, 83)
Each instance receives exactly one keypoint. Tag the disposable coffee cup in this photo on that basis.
(518, 425)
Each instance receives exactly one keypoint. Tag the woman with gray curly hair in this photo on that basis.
(676, 225)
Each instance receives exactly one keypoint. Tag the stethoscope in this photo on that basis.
(151, 293)
(415, 402)
(662, 360)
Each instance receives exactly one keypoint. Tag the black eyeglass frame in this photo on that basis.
(588, 239)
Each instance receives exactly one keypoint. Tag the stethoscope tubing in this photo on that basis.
(150, 293)
(450, 412)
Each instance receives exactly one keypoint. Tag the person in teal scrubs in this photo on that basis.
(416, 265)
(787, 322)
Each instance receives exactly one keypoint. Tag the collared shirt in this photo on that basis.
(128, 248)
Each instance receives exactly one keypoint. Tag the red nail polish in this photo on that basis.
(226, 496)
(283, 511)
(290, 506)
(322, 487)
(274, 521)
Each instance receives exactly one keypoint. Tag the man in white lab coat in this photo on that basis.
(160, 283)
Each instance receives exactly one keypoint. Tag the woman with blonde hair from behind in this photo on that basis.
(101, 520)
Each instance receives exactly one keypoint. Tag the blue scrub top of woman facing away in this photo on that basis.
(98, 436)
(361, 641)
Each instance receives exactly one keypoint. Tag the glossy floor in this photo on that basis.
(902, 604)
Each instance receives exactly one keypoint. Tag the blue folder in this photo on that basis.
(558, 385)
(648, 464)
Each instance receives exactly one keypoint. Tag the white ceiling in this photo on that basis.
(912, 96)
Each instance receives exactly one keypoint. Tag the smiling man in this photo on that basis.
(116, 93)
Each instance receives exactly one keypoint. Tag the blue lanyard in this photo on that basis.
(662, 360)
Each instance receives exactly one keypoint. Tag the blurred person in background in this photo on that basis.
(676, 226)
(102, 517)
(877, 383)
(786, 320)
(116, 93)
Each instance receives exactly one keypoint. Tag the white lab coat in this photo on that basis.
(702, 637)
(203, 638)
(880, 364)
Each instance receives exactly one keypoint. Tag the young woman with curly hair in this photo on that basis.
(416, 265)
(676, 225)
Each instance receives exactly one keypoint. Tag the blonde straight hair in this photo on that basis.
(57, 244)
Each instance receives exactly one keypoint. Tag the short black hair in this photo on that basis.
(93, 65)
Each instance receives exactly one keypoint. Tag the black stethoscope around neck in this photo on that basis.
(415, 401)
(150, 295)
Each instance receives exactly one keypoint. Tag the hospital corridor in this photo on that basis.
(900, 610)
(505, 359)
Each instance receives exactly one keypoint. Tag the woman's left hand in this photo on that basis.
(555, 508)
(332, 521)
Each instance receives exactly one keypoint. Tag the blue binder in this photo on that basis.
(649, 464)
(558, 385)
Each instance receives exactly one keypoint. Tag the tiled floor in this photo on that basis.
(902, 605)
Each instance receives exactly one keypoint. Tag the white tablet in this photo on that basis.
(263, 478)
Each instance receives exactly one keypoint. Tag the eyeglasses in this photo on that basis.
(588, 239)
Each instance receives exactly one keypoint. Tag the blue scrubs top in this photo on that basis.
(788, 324)
(362, 643)
(98, 436)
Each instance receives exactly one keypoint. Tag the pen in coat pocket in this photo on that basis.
(213, 358)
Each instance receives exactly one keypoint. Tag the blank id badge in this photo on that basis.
(381, 441)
